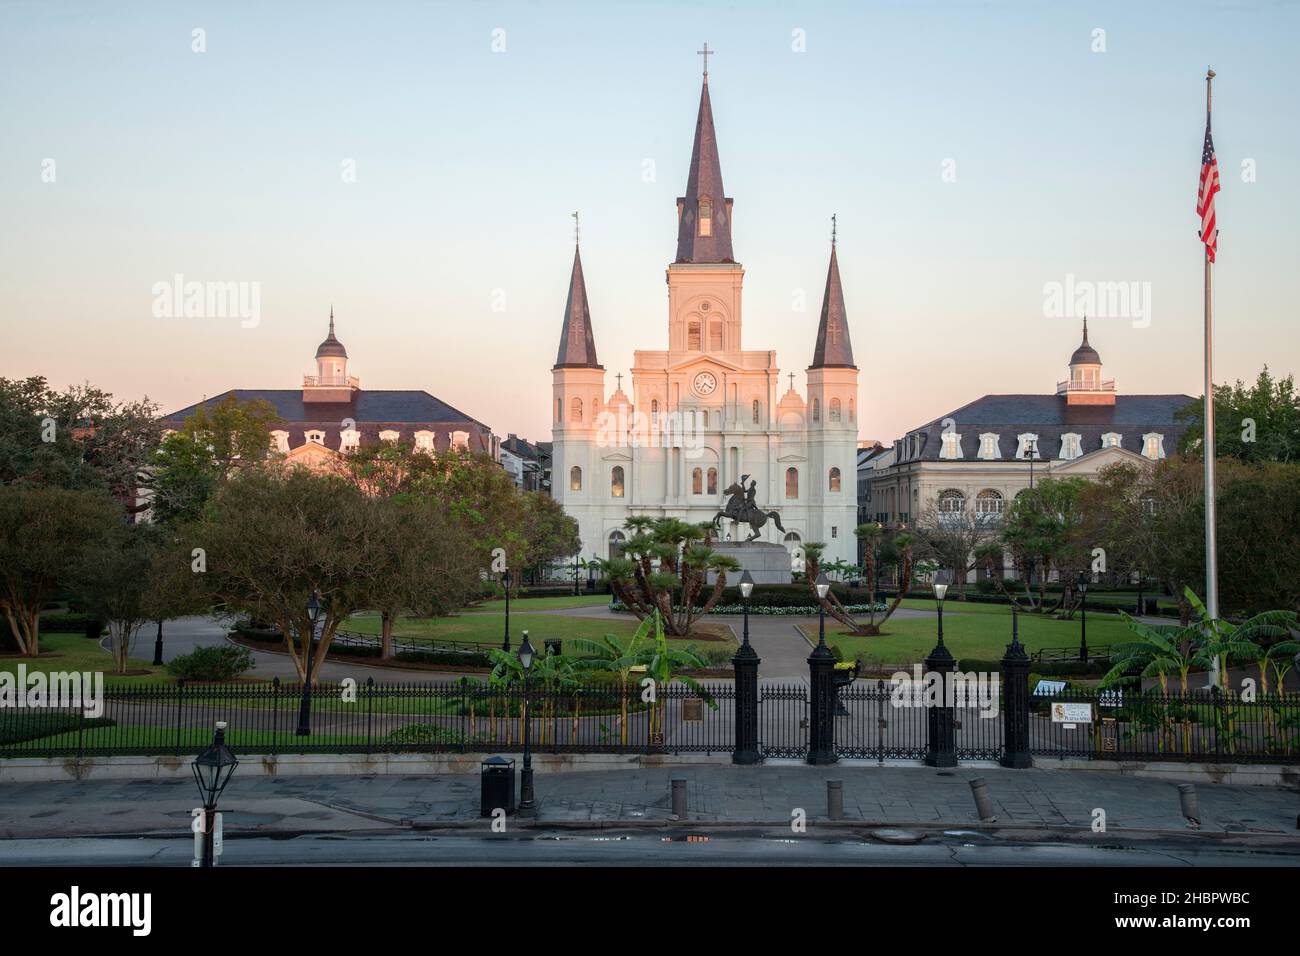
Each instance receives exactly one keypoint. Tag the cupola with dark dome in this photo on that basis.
(331, 383)
(1085, 385)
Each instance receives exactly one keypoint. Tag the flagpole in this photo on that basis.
(1211, 549)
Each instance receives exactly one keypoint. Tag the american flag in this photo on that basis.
(1205, 195)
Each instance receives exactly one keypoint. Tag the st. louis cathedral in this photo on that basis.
(706, 416)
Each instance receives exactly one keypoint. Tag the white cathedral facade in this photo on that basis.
(707, 415)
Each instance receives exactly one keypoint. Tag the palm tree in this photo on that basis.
(663, 666)
(610, 656)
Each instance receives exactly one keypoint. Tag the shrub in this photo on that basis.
(68, 624)
(212, 663)
(425, 734)
(19, 726)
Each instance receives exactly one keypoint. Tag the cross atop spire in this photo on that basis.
(577, 228)
(706, 52)
(833, 224)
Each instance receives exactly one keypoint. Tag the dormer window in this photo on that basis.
(951, 447)
(1027, 446)
(989, 450)
(1112, 440)
(706, 217)
(280, 439)
(315, 436)
(349, 440)
(1071, 446)
(1153, 446)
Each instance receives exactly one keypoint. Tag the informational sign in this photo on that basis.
(693, 710)
(1066, 713)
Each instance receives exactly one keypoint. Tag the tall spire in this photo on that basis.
(1085, 354)
(833, 350)
(577, 343)
(331, 346)
(704, 213)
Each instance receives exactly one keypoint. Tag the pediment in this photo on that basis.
(1098, 459)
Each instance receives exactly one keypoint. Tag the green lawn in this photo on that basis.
(498, 605)
(488, 629)
(76, 652)
(975, 630)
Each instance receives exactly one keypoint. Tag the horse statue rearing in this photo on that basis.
(742, 508)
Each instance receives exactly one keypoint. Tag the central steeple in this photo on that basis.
(704, 213)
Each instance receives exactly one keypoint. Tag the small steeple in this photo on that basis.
(1085, 354)
(834, 349)
(577, 342)
(704, 213)
(331, 346)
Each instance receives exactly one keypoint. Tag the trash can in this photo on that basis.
(498, 786)
(554, 646)
(1153, 605)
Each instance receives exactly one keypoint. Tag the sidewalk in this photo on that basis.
(878, 796)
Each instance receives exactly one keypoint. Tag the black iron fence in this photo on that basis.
(873, 720)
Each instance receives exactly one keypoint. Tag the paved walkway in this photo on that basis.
(771, 794)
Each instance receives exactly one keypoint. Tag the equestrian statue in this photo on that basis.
(742, 508)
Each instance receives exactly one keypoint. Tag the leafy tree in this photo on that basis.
(1042, 530)
(684, 558)
(953, 538)
(1259, 422)
(45, 534)
(273, 538)
(75, 439)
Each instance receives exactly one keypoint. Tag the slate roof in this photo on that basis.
(386, 406)
(1050, 417)
(704, 179)
(577, 341)
(520, 447)
(833, 349)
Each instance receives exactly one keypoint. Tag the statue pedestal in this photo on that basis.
(767, 563)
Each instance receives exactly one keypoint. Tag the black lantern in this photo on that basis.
(526, 802)
(212, 771)
(746, 589)
(314, 611)
(822, 586)
(940, 592)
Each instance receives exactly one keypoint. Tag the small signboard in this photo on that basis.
(1066, 713)
(693, 710)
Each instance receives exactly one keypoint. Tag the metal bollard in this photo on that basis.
(679, 799)
(835, 799)
(1190, 804)
(983, 805)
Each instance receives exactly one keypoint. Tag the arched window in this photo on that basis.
(834, 409)
(794, 545)
(758, 409)
(575, 410)
(704, 418)
(693, 335)
(654, 411)
(616, 540)
(713, 481)
(697, 481)
(817, 410)
(715, 336)
(792, 482)
(951, 505)
(853, 409)
(616, 481)
(575, 478)
(835, 479)
(706, 217)
(559, 409)
(990, 503)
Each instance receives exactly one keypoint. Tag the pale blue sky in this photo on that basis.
(225, 166)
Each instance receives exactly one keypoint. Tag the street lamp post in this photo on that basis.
(157, 647)
(576, 555)
(1083, 616)
(745, 663)
(941, 751)
(314, 609)
(212, 771)
(505, 582)
(821, 672)
(526, 801)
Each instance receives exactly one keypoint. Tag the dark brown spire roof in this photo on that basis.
(704, 182)
(577, 343)
(331, 346)
(1085, 354)
(834, 350)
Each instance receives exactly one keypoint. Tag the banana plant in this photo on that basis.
(610, 656)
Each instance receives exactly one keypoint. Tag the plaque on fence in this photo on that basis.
(1065, 713)
(1108, 743)
(693, 710)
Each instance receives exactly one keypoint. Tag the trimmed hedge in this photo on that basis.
(212, 663)
(271, 635)
(1043, 668)
(22, 725)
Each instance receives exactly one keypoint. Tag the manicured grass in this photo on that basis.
(498, 605)
(972, 631)
(75, 652)
(488, 629)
